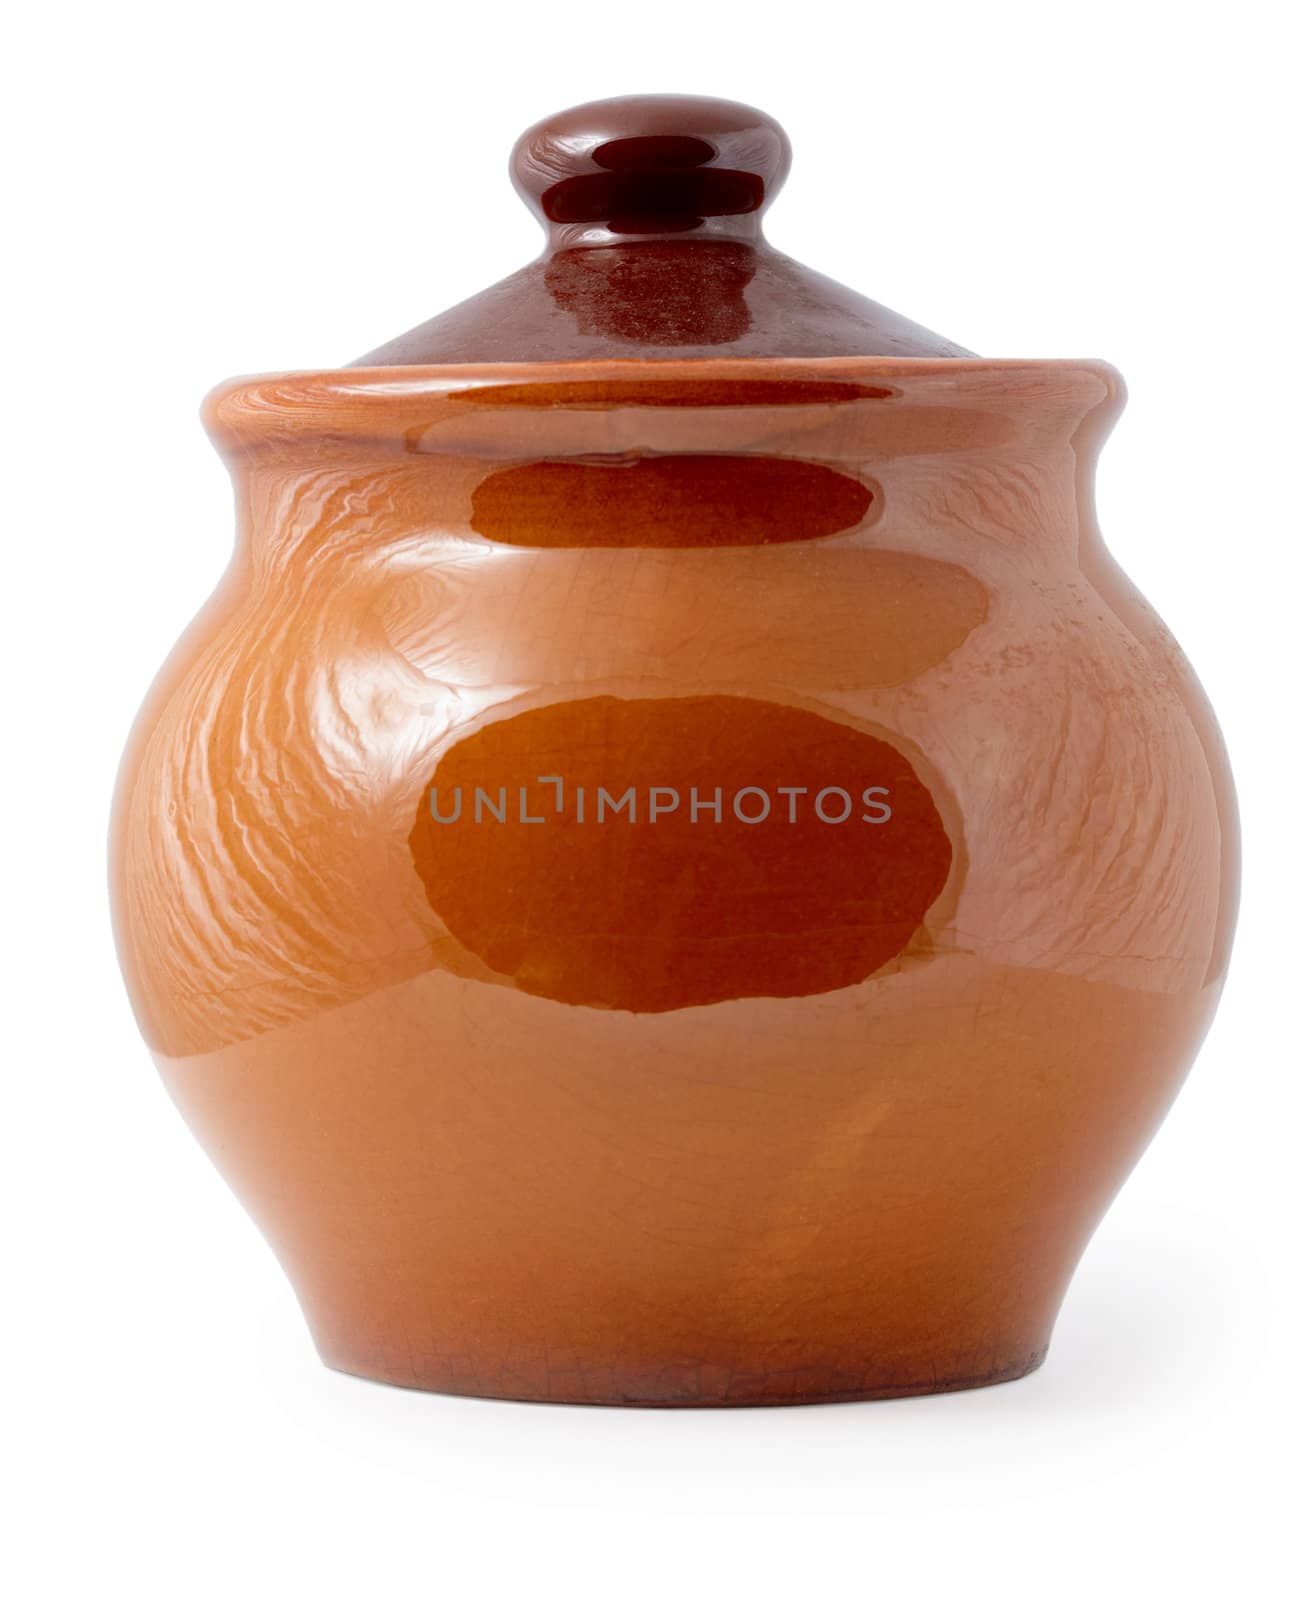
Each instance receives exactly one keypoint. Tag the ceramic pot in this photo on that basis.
(674, 881)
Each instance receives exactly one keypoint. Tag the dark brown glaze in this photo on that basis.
(674, 502)
(653, 207)
(549, 843)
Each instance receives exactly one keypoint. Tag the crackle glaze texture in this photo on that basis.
(671, 1109)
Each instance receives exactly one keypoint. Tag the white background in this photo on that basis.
(201, 190)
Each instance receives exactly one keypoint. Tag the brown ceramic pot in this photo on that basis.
(674, 869)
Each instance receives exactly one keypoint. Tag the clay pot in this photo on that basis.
(679, 875)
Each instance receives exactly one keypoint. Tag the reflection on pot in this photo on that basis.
(629, 293)
(668, 502)
(652, 854)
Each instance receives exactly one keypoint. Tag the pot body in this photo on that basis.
(675, 883)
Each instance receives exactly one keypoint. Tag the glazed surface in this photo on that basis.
(652, 206)
(594, 1108)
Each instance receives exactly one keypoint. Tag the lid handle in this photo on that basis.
(651, 166)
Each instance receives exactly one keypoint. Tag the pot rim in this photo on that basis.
(348, 401)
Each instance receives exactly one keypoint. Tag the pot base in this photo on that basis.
(686, 1388)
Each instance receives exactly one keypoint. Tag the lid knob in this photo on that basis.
(648, 166)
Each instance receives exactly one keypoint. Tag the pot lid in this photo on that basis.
(653, 209)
